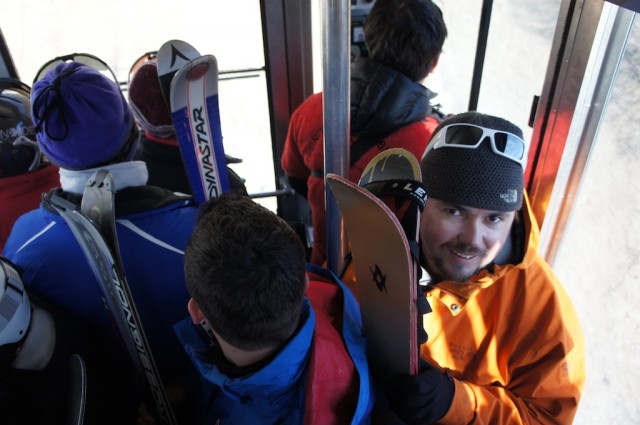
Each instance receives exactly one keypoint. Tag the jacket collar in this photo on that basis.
(283, 373)
(125, 174)
(383, 99)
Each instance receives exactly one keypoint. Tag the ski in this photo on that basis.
(94, 229)
(196, 117)
(77, 371)
(172, 56)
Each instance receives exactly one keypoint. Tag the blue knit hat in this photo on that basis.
(82, 118)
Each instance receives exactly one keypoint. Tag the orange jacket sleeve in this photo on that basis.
(513, 344)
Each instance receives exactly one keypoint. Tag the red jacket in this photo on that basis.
(332, 382)
(20, 194)
(304, 152)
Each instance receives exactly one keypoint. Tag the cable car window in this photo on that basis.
(597, 260)
(119, 32)
(512, 73)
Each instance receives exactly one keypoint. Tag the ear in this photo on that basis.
(306, 282)
(434, 63)
(197, 316)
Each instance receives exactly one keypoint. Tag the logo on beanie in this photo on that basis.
(206, 156)
(510, 196)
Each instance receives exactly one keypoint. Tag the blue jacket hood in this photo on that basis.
(276, 391)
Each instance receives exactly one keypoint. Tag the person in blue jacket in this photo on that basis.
(84, 124)
(274, 344)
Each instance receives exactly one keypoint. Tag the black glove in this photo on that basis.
(423, 398)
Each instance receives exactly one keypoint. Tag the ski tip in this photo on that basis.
(201, 69)
(392, 164)
(173, 54)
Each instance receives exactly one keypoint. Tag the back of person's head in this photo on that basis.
(19, 152)
(406, 35)
(82, 119)
(245, 268)
(147, 101)
(465, 163)
(27, 333)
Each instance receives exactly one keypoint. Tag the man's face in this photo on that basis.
(457, 241)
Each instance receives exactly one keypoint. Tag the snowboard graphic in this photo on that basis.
(196, 117)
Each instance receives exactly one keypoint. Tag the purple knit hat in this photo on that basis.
(82, 118)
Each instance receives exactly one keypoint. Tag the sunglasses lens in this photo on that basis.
(509, 145)
(97, 65)
(84, 59)
(46, 68)
(463, 135)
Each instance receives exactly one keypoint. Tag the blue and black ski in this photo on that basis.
(196, 117)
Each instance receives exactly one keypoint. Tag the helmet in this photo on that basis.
(15, 309)
(19, 152)
(22, 324)
(146, 99)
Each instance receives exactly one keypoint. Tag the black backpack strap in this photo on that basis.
(360, 147)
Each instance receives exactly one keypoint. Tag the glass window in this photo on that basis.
(517, 54)
(119, 31)
(598, 259)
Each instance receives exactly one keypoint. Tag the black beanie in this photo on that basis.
(476, 178)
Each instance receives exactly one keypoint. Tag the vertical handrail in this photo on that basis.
(336, 16)
(481, 49)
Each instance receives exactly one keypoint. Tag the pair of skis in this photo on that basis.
(189, 82)
(94, 227)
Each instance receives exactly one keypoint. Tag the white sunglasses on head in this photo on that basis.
(470, 136)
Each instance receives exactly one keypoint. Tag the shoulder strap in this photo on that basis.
(360, 147)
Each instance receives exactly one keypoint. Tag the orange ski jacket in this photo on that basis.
(511, 340)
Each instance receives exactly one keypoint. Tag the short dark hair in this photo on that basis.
(245, 268)
(406, 35)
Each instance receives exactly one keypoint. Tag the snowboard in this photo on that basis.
(383, 267)
(196, 117)
(394, 176)
(381, 217)
(172, 56)
(94, 229)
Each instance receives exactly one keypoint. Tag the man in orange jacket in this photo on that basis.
(505, 344)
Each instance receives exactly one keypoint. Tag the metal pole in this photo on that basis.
(336, 18)
(481, 48)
